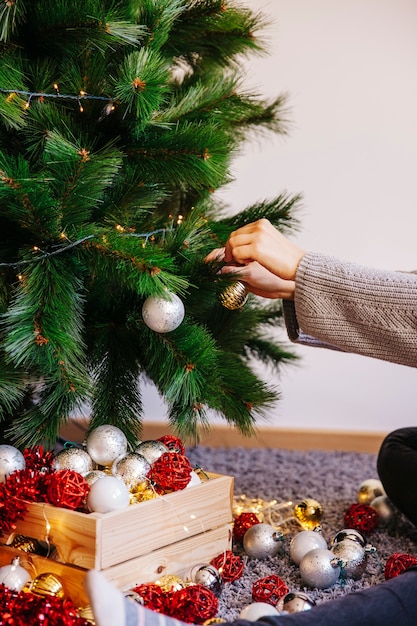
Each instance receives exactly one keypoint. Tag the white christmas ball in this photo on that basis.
(319, 568)
(163, 314)
(108, 494)
(14, 576)
(194, 479)
(370, 489)
(385, 508)
(151, 449)
(11, 460)
(105, 444)
(305, 541)
(262, 541)
(75, 459)
(257, 610)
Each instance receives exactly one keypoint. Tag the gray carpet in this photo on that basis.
(332, 478)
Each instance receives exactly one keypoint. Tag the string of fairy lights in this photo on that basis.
(41, 95)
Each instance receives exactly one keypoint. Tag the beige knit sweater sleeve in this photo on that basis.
(353, 308)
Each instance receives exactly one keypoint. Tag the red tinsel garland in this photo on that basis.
(398, 563)
(242, 523)
(173, 443)
(170, 472)
(269, 589)
(67, 489)
(11, 510)
(153, 596)
(38, 459)
(27, 609)
(229, 566)
(27, 484)
(361, 517)
(193, 604)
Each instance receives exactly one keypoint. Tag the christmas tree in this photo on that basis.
(119, 119)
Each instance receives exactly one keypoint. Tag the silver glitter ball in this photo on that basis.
(320, 568)
(163, 314)
(262, 541)
(151, 450)
(105, 444)
(208, 576)
(131, 468)
(11, 460)
(354, 558)
(295, 602)
(305, 541)
(75, 459)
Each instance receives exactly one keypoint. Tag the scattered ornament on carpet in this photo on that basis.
(255, 611)
(269, 589)
(170, 583)
(368, 490)
(131, 468)
(151, 450)
(242, 523)
(270, 512)
(305, 541)
(349, 534)
(105, 444)
(230, 566)
(234, 296)
(207, 575)
(108, 494)
(75, 459)
(170, 472)
(309, 513)
(361, 517)
(47, 584)
(14, 575)
(397, 563)
(163, 314)
(296, 602)
(353, 557)
(194, 604)
(262, 541)
(387, 512)
(94, 475)
(173, 443)
(67, 489)
(320, 568)
(11, 459)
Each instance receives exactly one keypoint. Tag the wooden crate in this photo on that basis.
(166, 535)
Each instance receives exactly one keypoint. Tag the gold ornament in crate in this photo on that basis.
(309, 513)
(234, 296)
(47, 584)
(170, 583)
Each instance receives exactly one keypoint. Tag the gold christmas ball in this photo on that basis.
(86, 613)
(214, 620)
(47, 584)
(170, 583)
(369, 490)
(234, 296)
(309, 513)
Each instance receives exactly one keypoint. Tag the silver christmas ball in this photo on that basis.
(255, 611)
(349, 534)
(206, 575)
(354, 558)
(105, 444)
(369, 489)
(163, 314)
(151, 450)
(11, 460)
(305, 541)
(131, 468)
(320, 568)
(75, 459)
(262, 541)
(295, 602)
(386, 510)
(94, 475)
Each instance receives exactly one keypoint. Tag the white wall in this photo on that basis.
(350, 69)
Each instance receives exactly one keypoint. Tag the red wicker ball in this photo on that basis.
(229, 566)
(269, 589)
(398, 563)
(193, 604)
(242, 523)
(361, 517)
(174, 444)
(67, 489)
(170, 472)
(153, 596)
